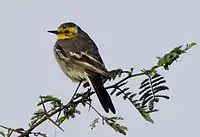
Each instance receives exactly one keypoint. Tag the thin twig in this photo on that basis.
(21, 132)
(95, 110)
(49, 117)
(75, 91)
(14, 130)
(58, 116)
(127, 77)
(103, 117)
(27, 132)
(10, 133)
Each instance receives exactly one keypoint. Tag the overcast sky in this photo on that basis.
(128, 33)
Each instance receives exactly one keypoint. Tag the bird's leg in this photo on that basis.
(76, 91)
(89, 99)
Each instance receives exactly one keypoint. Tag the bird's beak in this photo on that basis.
(53, 31)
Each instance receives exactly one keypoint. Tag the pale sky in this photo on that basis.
(128, 33)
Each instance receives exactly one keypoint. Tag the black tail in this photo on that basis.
(102, 94)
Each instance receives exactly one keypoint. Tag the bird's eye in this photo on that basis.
(66, 31)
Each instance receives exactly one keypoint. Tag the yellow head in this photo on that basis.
(66, 31)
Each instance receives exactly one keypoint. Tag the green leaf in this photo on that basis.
(62, 119)
(117, 127)
(9, 131)
(172, 56)
(156, 79)
(126, 95)
(2, 133)
(159, 83)
(39, 113)
(144, 82)
(190, 45)
(119, 93)
(146, 116)
(33, 122)
(48, 98)
(113, 91)
(132, 95)
(124, 128)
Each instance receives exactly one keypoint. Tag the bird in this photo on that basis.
(79, 58)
